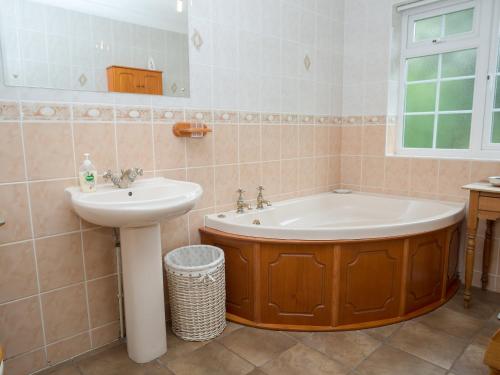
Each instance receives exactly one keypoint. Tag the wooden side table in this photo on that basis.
(492, 354)
(484, 203)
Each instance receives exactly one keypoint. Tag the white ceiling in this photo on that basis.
(160, 14)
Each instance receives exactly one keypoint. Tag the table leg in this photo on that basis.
(487, 253)
(469, 258)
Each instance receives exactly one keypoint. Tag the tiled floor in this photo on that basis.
(450, 341)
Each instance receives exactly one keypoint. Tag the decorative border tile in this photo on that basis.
(168, 115)
(289, 118)
(46, 111)
(306, 119)
(132, 113)
(9, 111)
(225, 117)
(200, 115)
(321, 120)
(352, 120)
(249, 118)
(275, 118)
(85, 112)
(374, 120)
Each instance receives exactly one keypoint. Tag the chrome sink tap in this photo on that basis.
(124, 180)
(240, 203)
(260, 199)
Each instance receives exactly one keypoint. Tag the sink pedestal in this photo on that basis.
(143, 292)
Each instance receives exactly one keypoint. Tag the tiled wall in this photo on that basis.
(367, 75)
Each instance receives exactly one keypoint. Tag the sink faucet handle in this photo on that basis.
(240, 192)
(139, 171)
(107, 175)
(260, 188)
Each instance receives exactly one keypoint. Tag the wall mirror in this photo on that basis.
(136, 46)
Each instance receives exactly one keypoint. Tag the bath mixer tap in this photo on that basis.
(240, 203)
(260, 199)
(124, 180)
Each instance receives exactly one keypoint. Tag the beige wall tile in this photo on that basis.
(373, 171)
(335, 139)
(321, 170)
(196, 221)
(21, 326)
(11, 153)
(174, 233)
(306, 173)
(289, 175)
(289, 141)
(481, 170)
(14, 210)
(373, 140)
(60, 261)
(226, 184)
(397, 174)
(321, 142)
(26, 363)
(351, 140)
(334, 171)
(350, 170)
(68, 348)
(17, 271)
(170, 151)
(64, 312)
(250, 179)
(306, 140)
(99, 252)
(226, 143)
(49, 150)
(200, 151)
(98, 139)
(249, 143)
(52, 212)
(271, 142)
(205, 177)
(271, 178)
(103, 301)
(173, 174)
(424, 175)
(104, 335)
(453, 174)
(135, 146)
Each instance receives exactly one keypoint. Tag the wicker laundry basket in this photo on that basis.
(197, 291)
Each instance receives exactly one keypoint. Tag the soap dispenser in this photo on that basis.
(87, 175)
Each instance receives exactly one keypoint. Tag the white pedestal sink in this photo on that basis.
(137, 211)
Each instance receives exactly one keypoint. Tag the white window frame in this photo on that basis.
(480, 39)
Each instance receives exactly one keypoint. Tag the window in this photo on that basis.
(450, 80)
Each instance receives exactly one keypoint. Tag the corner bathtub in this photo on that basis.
(337, 261)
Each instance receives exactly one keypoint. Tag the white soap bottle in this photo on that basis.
(88, 175)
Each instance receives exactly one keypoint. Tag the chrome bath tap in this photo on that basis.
(124, 180)
(240, 203)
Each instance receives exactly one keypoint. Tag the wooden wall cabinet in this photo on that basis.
(134, 80)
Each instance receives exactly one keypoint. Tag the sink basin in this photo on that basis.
(146, 202)
(137, 211)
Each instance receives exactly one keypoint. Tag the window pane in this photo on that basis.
(422, 68)
(421, 97)
(456, 95)
(498, 62)
(495, 133)
(458, 22)
(460, 63)
(453, 131)
(497, 93)
(427, 28)
(419, 131)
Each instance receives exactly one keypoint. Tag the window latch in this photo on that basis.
(436, 41)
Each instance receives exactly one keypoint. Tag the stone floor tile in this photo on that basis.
(257, 371)
(298, 335)
(452, 322)
(348, 348)
(300, 359)
(471, 361)
(230, 328)
(210, 359)
(115, 361)
(389, 361)
(65, 369)
(177, 347)
(257, 345)
(384, 332)
(434, 346)
(478, 309)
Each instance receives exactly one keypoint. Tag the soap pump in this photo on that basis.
(87, 175)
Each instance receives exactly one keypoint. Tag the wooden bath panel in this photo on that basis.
(336, 285)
